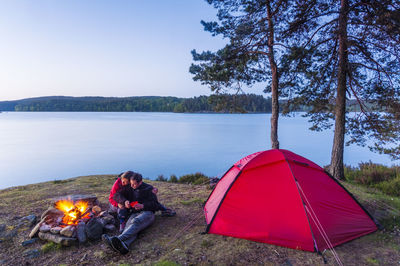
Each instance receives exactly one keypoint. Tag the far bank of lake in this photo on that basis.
(44, 146)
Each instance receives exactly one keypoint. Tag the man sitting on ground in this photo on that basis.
(140, 199)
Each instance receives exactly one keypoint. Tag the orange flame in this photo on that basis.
(72, 212)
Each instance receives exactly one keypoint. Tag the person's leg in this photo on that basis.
(166, 211)
(136, 223)
(122, 216)
(162, 207)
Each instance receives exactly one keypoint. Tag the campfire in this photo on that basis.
(73, 219)
(73, 212)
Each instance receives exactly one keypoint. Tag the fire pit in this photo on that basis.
(74, 218)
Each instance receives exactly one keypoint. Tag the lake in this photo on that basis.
(45, 146)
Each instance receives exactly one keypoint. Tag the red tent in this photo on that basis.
(281, 198)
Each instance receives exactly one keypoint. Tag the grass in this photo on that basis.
(177, 240)
(50, 246)
(192, 201)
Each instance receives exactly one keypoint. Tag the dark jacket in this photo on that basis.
(143, 194)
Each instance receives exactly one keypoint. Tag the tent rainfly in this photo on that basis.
(281, 198)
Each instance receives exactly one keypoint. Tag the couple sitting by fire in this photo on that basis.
(135, 203)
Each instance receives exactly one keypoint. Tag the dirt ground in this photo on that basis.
(171, 240)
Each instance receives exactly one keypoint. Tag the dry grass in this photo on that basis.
(170, 240)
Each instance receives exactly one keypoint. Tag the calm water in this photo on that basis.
(38, 147)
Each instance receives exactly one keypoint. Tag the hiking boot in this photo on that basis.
(168, 213)
(107, 240)
(119, 245)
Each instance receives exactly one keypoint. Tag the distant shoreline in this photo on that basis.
(217, 103)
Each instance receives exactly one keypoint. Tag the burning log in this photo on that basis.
(52, 213)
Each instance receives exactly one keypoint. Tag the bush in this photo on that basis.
(370, 173)
(161, 178)
(196, 179)
(391, 187)
(173, 179)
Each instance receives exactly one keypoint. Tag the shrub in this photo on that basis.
(161, 178)
(173, 179)
(196, 179)
(391, 187)
(370, 173)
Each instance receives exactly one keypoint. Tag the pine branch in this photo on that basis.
(375, 62)
(320, 28)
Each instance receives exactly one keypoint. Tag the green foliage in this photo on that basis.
(386, 179)
(206, 244)
(390, 187)
(192, 201)
(166, 263)
(50, 246)
(223, 103)
(370, 173)
(161, 178)
(372, 261)
(195, 179)
(173, 179)
(328, 59)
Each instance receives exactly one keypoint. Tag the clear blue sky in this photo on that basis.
(102, 47)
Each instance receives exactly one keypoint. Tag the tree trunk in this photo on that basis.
(336, 166)
(274, 82)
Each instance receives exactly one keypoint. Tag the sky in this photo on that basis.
(102, 48)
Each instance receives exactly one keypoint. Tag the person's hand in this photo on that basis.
(155, 190)
(127, 204)
(139, 206)
(121, 206)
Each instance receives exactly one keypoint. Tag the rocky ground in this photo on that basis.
(176, 240)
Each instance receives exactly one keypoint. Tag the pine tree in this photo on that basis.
(253, 28)
(349, 50)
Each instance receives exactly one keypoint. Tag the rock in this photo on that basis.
(31, 253)
(381, 214)
(94, 229)
(68, 231)
(81, 232)
(110, 227)
(84, 257)
(65, 241)
(2, 227)
(29, 221)
(108, 219)
(8, 235)
(52, 213)
(56, 230)
(45, 228)
(29, 242)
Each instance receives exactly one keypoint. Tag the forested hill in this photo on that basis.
(216, 103)
(224, 103)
